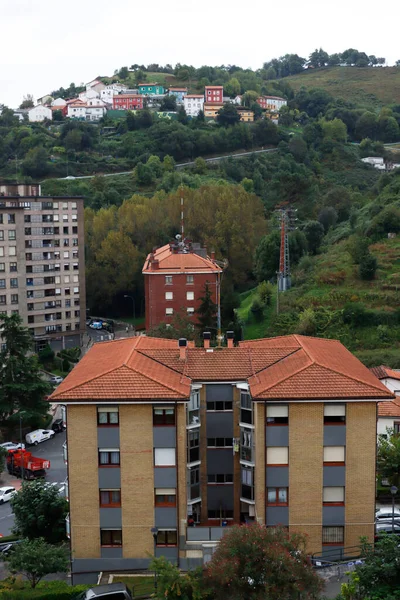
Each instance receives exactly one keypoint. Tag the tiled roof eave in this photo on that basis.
(333, 398)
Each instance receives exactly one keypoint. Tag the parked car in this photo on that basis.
(39, 435)
(381, 528)
(109, 591)
(58, 426)
(383, 514)
(7, 547)
(96, 325)
(6, 493)
(56, 379)
(12, 446)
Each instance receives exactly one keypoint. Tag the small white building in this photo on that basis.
(379, 163)
(88, 95)
(39, 113)
(237, 100)
(388, 412)
(59, 103)
(95, 85)
(76, 111)
(193, 104)
(95, 112)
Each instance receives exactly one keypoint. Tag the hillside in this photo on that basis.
(368, 87)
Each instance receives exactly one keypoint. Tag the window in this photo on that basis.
(219, 405)
(12, 234)
(332, 535)
(193, 445)
(165, 497)
(189, 295)
(110, 498)
(66, 254)
(334, 455)
(11, 219)
(167, 537)
(220, 478)
(189, 279)
(163, 416)
(278, 455)
(13, 267)
(76, 290)
(111, 537)
(334, 414)
(246, 445)
(169, 311)
(164, 457)
(220, 514)
(3, 299)
(13, 283)
(246, 408)
(333, 495)
(190, 310)
(194, 408)
(396, 427)
(108, 457)
(277, 415)
(169, 295)
(168, 280)
(219, 442)
(2, 283)
(277, 496)
(1, 236)
(2, 267)
(14, 298)
(12, 251)
(107, 415)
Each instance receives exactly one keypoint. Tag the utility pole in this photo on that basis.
(286, 224)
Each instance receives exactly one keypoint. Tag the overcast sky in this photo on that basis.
(46, 45)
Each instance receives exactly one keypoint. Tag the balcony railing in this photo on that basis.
(205, 534)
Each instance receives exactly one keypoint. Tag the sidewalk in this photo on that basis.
(9, 480)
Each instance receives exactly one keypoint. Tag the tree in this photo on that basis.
(249, 98)
(39, 512)
(207, 311)
(255, 562)
(28, 102)
(36, 558)
(266, 259)
(334, 130)
(388, 457)
(35, 163)
(21, 386)
(327, 217)
(228, 115)
(368, 267)
(123, 73)
(314, 233)
(182, 116)
(232, 88)
(366, 126)
(318, 58)
(175, 585)
(181, 326)
(168, 103)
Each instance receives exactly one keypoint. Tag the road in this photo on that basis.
(177, 166)
(51, 449)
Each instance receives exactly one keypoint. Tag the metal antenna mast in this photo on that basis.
(284, 278)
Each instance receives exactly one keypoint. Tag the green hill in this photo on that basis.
(370, 87)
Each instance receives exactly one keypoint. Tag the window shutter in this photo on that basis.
(335, 410)
(164, 457)
(333, 494)
(277, 455)
(334, 454)
(277, 411)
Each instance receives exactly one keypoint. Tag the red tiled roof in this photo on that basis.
(389, 409)
(194, 96)
(383, 372)
(117, 370)
(170, 262)
(292, 367)
(178, 89)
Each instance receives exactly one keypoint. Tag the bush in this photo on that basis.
(257, 309)
(367, 267)
(65, 365)
(355, 314)
(46, 355)
(265, 293)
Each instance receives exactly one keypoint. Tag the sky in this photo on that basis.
(49, 45)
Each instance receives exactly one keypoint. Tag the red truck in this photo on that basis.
(22, 464)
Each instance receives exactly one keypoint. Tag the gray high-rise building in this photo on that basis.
(42, 265)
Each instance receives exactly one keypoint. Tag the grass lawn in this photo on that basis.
(252, 328)
(138, 584)
(371, 87)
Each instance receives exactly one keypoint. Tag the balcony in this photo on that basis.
(201, 534)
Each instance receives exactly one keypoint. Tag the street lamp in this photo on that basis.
(133, 303)
(393, 491)
(154, 531)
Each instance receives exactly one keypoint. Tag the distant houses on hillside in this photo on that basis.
(97, 98)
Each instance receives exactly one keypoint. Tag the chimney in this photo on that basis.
(155, 264)
(213, 255)
(182, 343)
(229, 337)
(206, 338)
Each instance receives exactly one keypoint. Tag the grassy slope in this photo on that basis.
(371, 87)
(331, 284)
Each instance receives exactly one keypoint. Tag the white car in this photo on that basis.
(56, 379)
(12, 446)
(6, 493)
(39, 435)
(385, 514)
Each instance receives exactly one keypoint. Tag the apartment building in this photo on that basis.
(245, 114)
(271, 103)
(174, 280)
(42, 266)
(280, 430)
(214, 94)
(193, 104)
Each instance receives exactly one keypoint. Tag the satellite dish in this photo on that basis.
(178, 236)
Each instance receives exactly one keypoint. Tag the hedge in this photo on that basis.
(51, 590)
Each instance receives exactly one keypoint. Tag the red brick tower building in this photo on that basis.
(174, 280)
